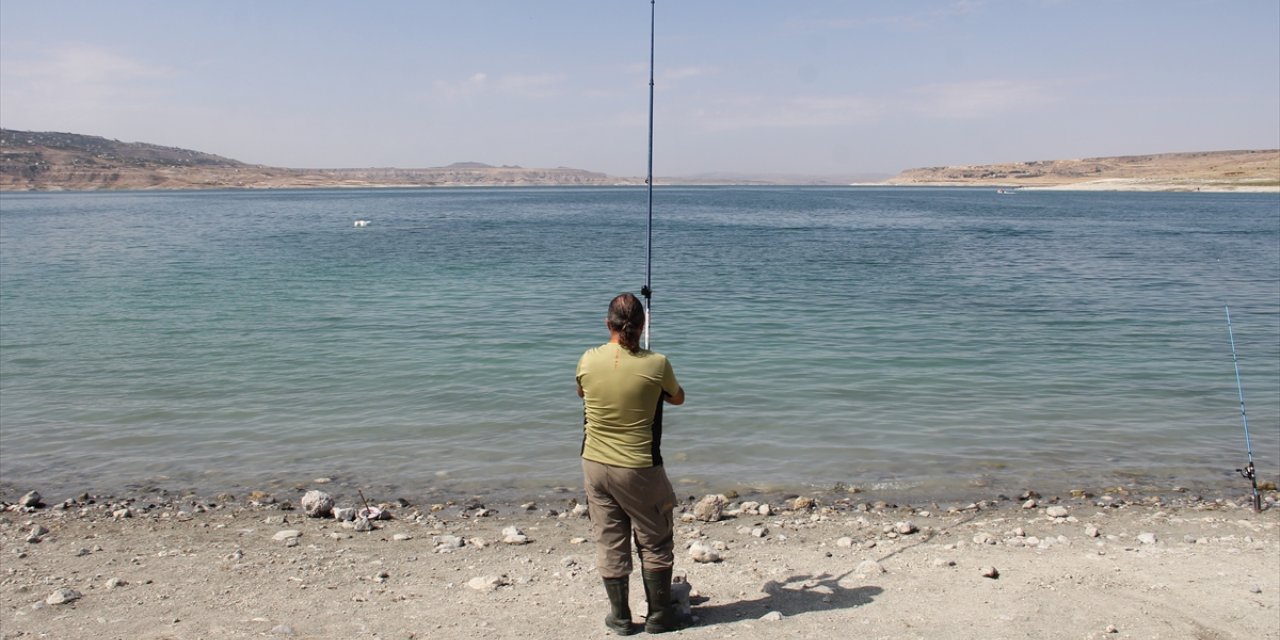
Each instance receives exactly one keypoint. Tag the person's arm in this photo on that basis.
(677, 399)
(581, 393)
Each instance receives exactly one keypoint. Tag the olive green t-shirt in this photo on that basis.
(622, 405)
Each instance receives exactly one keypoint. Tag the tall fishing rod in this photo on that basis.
(1248, 471)
(647, 289)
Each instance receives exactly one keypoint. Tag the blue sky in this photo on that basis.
(747, 86)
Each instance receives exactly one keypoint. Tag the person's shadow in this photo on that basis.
(795, 595)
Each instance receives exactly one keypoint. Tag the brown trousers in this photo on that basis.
(624, 502)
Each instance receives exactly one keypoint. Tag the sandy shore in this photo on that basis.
(1089, 566)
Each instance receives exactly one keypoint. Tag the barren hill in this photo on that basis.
(1204, 171)
(43, 161)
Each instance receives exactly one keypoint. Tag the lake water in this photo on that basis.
(931, 340)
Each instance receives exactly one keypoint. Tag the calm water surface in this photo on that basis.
(908, 339)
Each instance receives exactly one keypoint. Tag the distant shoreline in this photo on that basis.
(51, 161)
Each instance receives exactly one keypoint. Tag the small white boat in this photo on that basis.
(362, 223)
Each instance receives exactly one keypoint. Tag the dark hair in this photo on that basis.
(626, 318)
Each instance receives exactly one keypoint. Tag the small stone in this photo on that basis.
(710, 508)
(760, 532)
(905, 528)
(869, 568)
(363, 524)
(772, 616)
(1030, 504)
(802, 504)
(1056, 511)
(1147, 538)
(446, 544)
(579, 511)
(116, 583)
(31, 499)
(282, 630)
(944, 562)
(1111, 628)
(317, 504)
(1092, 531)
(990, 572)
(515, 539)
(487, 583)
(764, 510)
(37, 534)
(286, 534)
(1255, 589)
(63, 596)
(701, 552)
(344, 514)
(401, 537)
(983, 538)
(845, 542)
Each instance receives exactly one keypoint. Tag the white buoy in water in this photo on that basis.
(362, 223)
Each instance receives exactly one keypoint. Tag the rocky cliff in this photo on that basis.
(45, 161)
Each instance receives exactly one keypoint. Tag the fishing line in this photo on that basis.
(1248, 471)
(647, 290)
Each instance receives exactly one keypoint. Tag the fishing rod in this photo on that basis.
(647, 290)
(1247, 472)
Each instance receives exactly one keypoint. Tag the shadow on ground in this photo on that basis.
(795, 595)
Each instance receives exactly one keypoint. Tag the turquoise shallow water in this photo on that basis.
(919, 339)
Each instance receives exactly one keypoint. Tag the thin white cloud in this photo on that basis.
(528, 86)
(752, 112)
(977, 99)
(78, 85)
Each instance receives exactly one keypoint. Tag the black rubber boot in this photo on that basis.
(619, 618)
(663, 614)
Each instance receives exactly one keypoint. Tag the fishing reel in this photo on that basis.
(1248, 473)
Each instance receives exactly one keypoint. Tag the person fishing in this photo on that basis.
(623, 388)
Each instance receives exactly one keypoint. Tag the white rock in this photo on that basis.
(710, 508)
(764, 510)
(772, 616)
(317, 504)
(363, 524)
(345, 514)
(1147, 538)
(1056, 511)
(1030, 504)
(286, 534)
(1091, 531)
(487, 583)
(31, 499)
(760, 532)
(905, 528)
(983, 538)
(700, 552)
(989, 572)
(515, 539)
(401, 537)
(63, 596)
(116, 583)
(579, 511)
(845, 543)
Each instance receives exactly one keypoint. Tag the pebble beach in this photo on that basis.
(305, 564)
